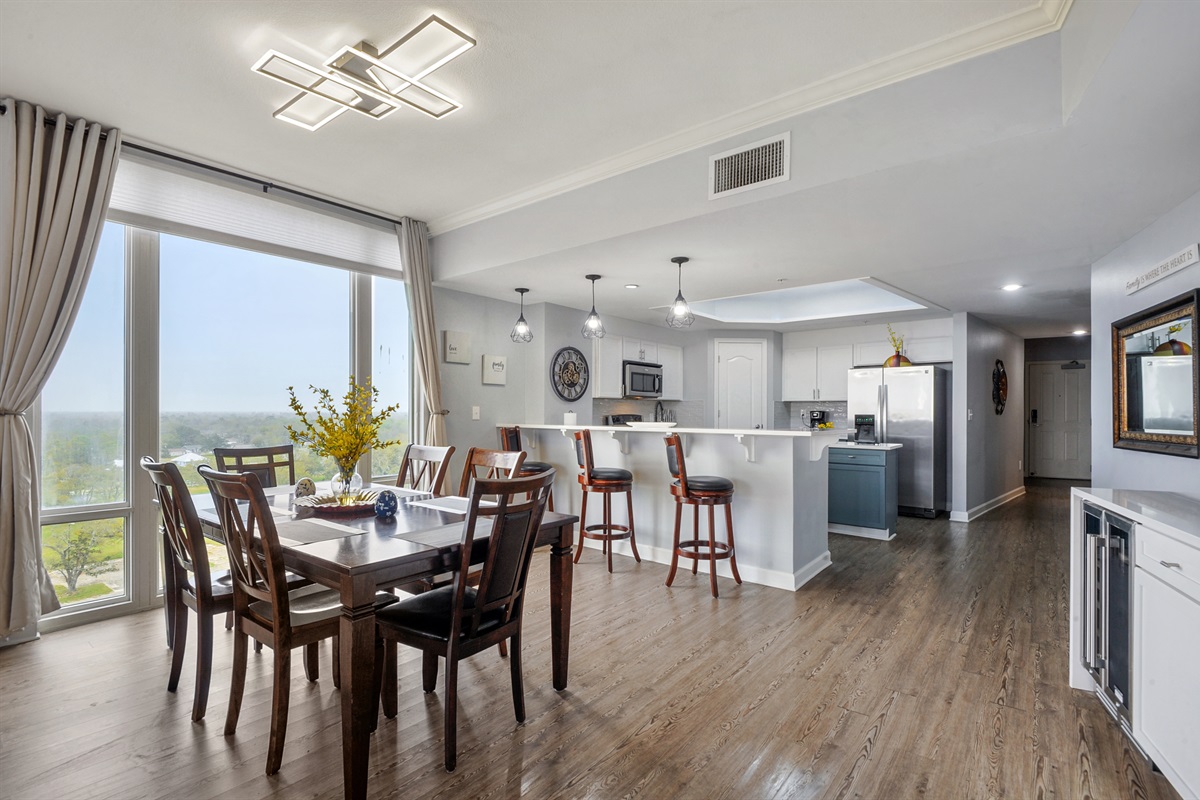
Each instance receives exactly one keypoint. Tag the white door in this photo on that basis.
(741, 383)
(1060, 422)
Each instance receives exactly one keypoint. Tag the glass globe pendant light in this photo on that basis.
(593, 328)
(520, 331)
(680, 315)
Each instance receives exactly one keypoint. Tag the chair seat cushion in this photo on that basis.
(428, 614)
(611, 474)
(314, 603)
(709, 483)
(535, 467)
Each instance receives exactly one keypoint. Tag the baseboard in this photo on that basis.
(983, 508)
(881, 534)
(776, 579)
(27, 634)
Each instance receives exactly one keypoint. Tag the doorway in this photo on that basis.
(1060, 420)
(741, 383)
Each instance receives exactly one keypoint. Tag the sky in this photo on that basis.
(237, 329)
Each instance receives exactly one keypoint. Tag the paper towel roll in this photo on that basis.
(570, 418)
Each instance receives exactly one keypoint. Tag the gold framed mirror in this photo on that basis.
(1156, 380)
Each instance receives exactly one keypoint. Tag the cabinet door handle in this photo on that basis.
(1170, 564)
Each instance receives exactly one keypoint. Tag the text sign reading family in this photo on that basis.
(1169, 267)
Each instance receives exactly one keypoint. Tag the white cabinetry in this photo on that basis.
(671, 358)
(607, 355)
(816, 373)
(1166, 646)
(639, 350)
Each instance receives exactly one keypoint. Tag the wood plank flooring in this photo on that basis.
(931, 666)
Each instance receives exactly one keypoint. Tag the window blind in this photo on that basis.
(159, 193)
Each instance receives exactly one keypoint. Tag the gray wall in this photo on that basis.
(987, 447)
(1058, 348)
(1174, 231)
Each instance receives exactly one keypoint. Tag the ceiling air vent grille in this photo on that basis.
(749, 167)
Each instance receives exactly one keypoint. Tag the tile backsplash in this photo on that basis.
(688, 413)
(794, 415)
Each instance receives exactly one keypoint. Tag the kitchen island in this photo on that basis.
(780, 509)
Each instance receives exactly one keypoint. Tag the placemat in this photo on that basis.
(446, 535)
(452, 503)
(312, 529)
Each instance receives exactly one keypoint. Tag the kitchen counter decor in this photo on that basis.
(899, 359)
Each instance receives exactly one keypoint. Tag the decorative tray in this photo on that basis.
(360, 502)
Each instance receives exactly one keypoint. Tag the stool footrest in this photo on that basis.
(603, 531)
(703, 550)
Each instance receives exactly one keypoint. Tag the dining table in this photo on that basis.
(359, 554)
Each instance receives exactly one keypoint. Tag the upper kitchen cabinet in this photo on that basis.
(671, 358)
(920, 350)
(640, 350)
(816, 373)
(607, 354)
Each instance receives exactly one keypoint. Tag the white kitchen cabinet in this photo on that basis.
(640, 350)
(929, 349)
(816, 373)
(1166, 647)
(671, 358)
(607, 354)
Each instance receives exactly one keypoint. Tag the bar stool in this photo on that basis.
(696, 491)
(510, 439)
(606, 481)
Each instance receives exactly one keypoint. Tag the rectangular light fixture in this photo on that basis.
(360, 64)
(329, 85)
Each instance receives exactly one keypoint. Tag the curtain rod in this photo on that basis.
(267, 186)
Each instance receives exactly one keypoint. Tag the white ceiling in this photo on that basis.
(586, 127)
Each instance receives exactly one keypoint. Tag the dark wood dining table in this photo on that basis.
(418, 542)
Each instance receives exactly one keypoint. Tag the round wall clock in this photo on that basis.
(999, 386)
(569, 374)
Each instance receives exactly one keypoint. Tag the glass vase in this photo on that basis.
(346, 489)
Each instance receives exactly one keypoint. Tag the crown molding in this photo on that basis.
(1047, 16)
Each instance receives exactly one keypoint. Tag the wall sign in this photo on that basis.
(1169, 267)
(495, 370)
(458, 347)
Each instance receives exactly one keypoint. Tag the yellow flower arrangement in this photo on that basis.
(343, 434)
(896, 339)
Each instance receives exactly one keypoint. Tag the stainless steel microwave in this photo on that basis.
(639, 379)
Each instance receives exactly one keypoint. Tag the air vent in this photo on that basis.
(749, 167)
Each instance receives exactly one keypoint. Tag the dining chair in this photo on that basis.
(459, 620)
(424, 468)
(263, 607)
(484, 464)
(265, 462)
(510, 439)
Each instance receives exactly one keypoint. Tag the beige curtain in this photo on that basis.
(418, 278)
(55, 183)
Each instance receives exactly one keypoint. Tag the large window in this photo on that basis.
(391, 370)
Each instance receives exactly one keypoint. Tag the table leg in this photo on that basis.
(357, 651)
(560, 604)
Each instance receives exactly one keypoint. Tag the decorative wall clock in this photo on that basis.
(569, 374)
(999, 386)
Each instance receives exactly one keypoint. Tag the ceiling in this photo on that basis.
(944, 148)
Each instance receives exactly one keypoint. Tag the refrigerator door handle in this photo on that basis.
(881, 423)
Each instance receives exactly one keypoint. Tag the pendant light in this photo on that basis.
(593, 328)
(679, 315)
(520, 331)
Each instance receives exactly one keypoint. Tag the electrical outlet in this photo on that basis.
(970, 415)
(474, 412)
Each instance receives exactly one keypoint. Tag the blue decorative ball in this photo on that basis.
(386, 504)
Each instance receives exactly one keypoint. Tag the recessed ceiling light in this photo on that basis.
(1012, 287)
(1080, 332)
(631, 286)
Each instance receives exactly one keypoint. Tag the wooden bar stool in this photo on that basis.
(510, 440)
(607, 481)
(696, 491)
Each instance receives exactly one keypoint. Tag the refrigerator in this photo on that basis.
(911, 408)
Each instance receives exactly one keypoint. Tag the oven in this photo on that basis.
(640, 380)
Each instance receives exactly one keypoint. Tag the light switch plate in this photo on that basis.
(474, 412)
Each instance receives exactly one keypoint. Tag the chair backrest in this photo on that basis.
(583, 452)
(180, 522)
(486, 464)
(510, 439)
(262, 461)
(424, 468)
(514, 522)
(675, 460)
(255, 557)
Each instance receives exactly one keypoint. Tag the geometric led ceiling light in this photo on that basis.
(361, 78)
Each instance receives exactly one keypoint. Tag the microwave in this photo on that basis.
(639, 379)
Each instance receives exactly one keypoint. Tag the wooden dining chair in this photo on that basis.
(263, 607)
(484, 464)
(459, 620)
(510, 439)
(265, 462)
(424, 468)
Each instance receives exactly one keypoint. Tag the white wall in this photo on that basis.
(1172, 232)
(987, 447)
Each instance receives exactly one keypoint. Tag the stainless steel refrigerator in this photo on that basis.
(911, 408)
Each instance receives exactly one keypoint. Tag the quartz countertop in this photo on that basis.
(1179, 512)
(876, 446)
(829, 433)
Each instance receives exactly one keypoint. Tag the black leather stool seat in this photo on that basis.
(709, 483)
(610, 474)
(535, 467)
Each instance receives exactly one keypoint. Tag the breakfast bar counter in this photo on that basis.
(780, 509)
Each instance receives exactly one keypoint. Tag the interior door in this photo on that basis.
(1060, 422)
(741, 383)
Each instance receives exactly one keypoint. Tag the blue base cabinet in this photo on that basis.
(863, 492)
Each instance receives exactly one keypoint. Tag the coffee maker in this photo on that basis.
(815, 418)
(864, 428)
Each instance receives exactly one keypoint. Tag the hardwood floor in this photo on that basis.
(931, 666)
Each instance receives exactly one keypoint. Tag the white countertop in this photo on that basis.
(718, 431)
(1180, 512)
(876, 446)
